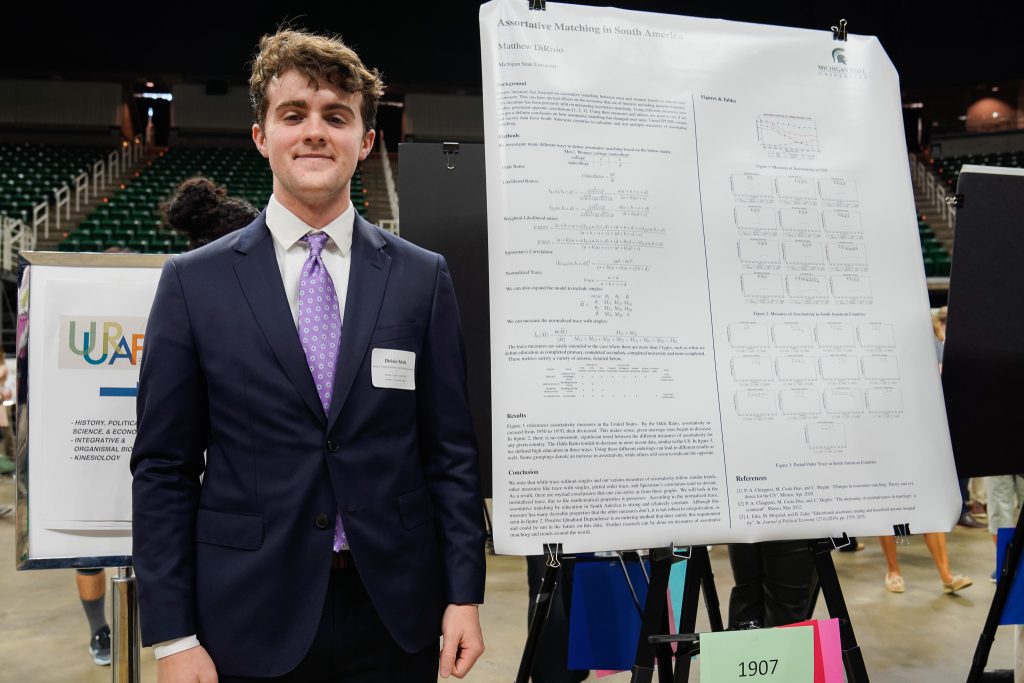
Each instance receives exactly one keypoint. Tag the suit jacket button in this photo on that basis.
(322, 522)
(333, 446)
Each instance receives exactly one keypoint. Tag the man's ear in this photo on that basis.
(367, 144)
(260, 139)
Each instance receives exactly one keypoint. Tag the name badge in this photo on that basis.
(393, 369)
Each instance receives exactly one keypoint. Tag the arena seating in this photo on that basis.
(30, 173)
(936, 258)
(131, 217)
(948, 168)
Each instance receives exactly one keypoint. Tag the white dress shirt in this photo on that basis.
(291, 252)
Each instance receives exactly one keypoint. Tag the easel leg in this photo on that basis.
(697, 567)
(995, 611)
(540, 615)
(711, 594)
(828, 580)
(654, 617)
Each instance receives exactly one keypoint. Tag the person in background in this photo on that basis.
(1005, 496)
(7, 455)
(775, 581)
(202, 209)
(92, 591)
(936, 543)
(6, 394)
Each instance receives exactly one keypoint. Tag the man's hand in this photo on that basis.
(462, 641)
(188, 666)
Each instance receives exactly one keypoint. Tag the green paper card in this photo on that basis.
(771, 655)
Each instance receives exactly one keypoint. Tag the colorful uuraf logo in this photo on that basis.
(109, 343)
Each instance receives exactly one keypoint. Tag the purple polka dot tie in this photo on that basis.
(320, 332)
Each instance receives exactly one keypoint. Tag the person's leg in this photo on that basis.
(936, 543)
(893, 577)
(789, 575)
(1018, 485)
(315, 667)
(364, 651)
(352, 645)
(966, 518)
(1002, 498)
(892, 565)
(92, 590)
(746, 601)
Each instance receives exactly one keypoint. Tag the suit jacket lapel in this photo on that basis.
(260, 278)
(367, 280)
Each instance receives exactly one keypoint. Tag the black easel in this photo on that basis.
(541, 609)
(828, 584)
(699, 574)
(650, 647)
(1007, 574)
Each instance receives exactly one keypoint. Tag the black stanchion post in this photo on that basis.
(126, 639)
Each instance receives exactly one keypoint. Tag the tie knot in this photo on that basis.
(316, 243)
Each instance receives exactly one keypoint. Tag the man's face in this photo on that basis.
(313, 138)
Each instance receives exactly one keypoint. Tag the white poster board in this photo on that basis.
(84, 340)
(709, 318)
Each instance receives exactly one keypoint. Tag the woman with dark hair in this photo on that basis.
(202, 209)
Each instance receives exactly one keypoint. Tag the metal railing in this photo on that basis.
(41, 216)
(389, 182)
(81, 186)
(113, 162)
(62, 195)
(16, 235)
(933, 189)
(99, 177)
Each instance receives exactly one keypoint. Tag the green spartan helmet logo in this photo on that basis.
(839, 55)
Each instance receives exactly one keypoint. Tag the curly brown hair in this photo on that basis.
(202, 209)
(320, 58)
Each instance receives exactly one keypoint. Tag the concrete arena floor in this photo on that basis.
(921, 635)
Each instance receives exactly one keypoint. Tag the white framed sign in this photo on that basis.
(81, 338)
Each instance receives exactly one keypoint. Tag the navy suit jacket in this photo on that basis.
(236, 546)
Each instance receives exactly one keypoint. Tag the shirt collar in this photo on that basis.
(288, 229)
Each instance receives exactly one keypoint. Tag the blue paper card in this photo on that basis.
(604, 624)
(1013, 612)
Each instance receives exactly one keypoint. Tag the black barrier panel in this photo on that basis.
(983, 361)
(445, 210)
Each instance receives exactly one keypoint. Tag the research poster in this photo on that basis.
(709, 317)
(86, 332)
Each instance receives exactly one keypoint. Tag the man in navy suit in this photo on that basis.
(334, 527)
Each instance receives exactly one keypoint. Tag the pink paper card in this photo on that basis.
(828, 654)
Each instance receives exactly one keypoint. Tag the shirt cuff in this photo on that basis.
(173, 647)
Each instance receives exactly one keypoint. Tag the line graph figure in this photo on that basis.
(788, 135)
